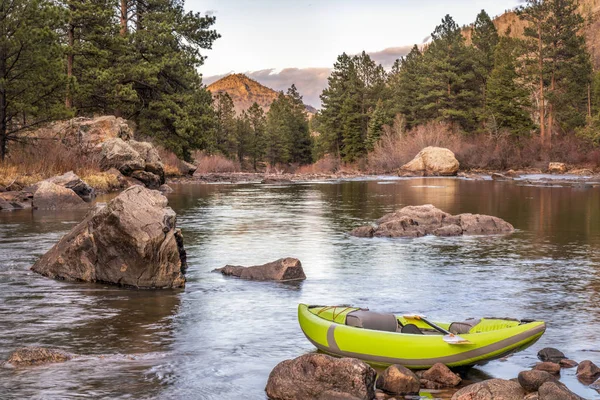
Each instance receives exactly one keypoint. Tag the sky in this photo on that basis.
(280, 42)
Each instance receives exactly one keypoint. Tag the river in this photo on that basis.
(220, 337)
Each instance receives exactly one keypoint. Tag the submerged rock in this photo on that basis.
(319, 376)
(551, 354)
(493, 389)
(284, 269)
(49, 196)
(436, 161)
(550, 367)
(587, 370)
(28, 356)
(566, 363)
(132, 241)
(416, 221)
(397, 379)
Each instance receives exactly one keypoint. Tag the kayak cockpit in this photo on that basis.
(388, 322)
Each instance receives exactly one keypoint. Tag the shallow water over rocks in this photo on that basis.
(220, 337)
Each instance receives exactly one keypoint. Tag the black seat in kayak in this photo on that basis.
(411, 329)
(372, 320)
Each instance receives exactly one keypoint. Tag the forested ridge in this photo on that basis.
(141, 59)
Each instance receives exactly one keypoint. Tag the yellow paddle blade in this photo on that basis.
(455, 339)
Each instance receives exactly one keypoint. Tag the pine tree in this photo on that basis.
(165, 45)
(508, 105)
(32, 81)
(535, 12)
(93, 51)
(376, 123)
(243, 133)
(258, 122)
(405, 82)
(278, 131)
(450, 88)
(568, 66)
(300, 140)
(332, 135)
(355, 86)
(485, 39)
(226, 128)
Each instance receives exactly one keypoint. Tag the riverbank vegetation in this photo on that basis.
(495, 100)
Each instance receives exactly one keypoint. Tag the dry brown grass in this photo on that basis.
(171, 162)
(103, 181)
(29, 163)
(215, 164)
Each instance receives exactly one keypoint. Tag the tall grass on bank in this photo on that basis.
(29, 163)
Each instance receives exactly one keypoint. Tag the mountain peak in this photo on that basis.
(245, 91)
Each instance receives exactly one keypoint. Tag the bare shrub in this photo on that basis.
(326, 165)
(396, 147)
(172, 164)
(215, 164)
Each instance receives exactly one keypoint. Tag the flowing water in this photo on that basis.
(220, 337)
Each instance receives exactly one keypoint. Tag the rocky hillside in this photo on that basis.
(245, 91)
(589, 9)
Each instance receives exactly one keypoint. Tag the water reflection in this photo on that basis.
(220, 337)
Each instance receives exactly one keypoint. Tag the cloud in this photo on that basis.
(386, 57)
(310, 81)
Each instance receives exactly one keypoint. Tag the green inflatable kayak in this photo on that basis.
(412, 340)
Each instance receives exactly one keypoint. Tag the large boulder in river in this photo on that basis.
(319, 376)
(50, 196)
(132, 241)
(28, 356)
(416, 221)
(433, 161)
(71, 181)
(492, 389)
(283, 270)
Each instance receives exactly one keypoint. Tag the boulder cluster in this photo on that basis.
(417, 221)
(319, 376)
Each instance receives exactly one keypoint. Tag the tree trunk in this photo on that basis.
(589, 101)
(3, 116)
(551, 113)
(542, 106)
(70, 56)
(123, 18)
